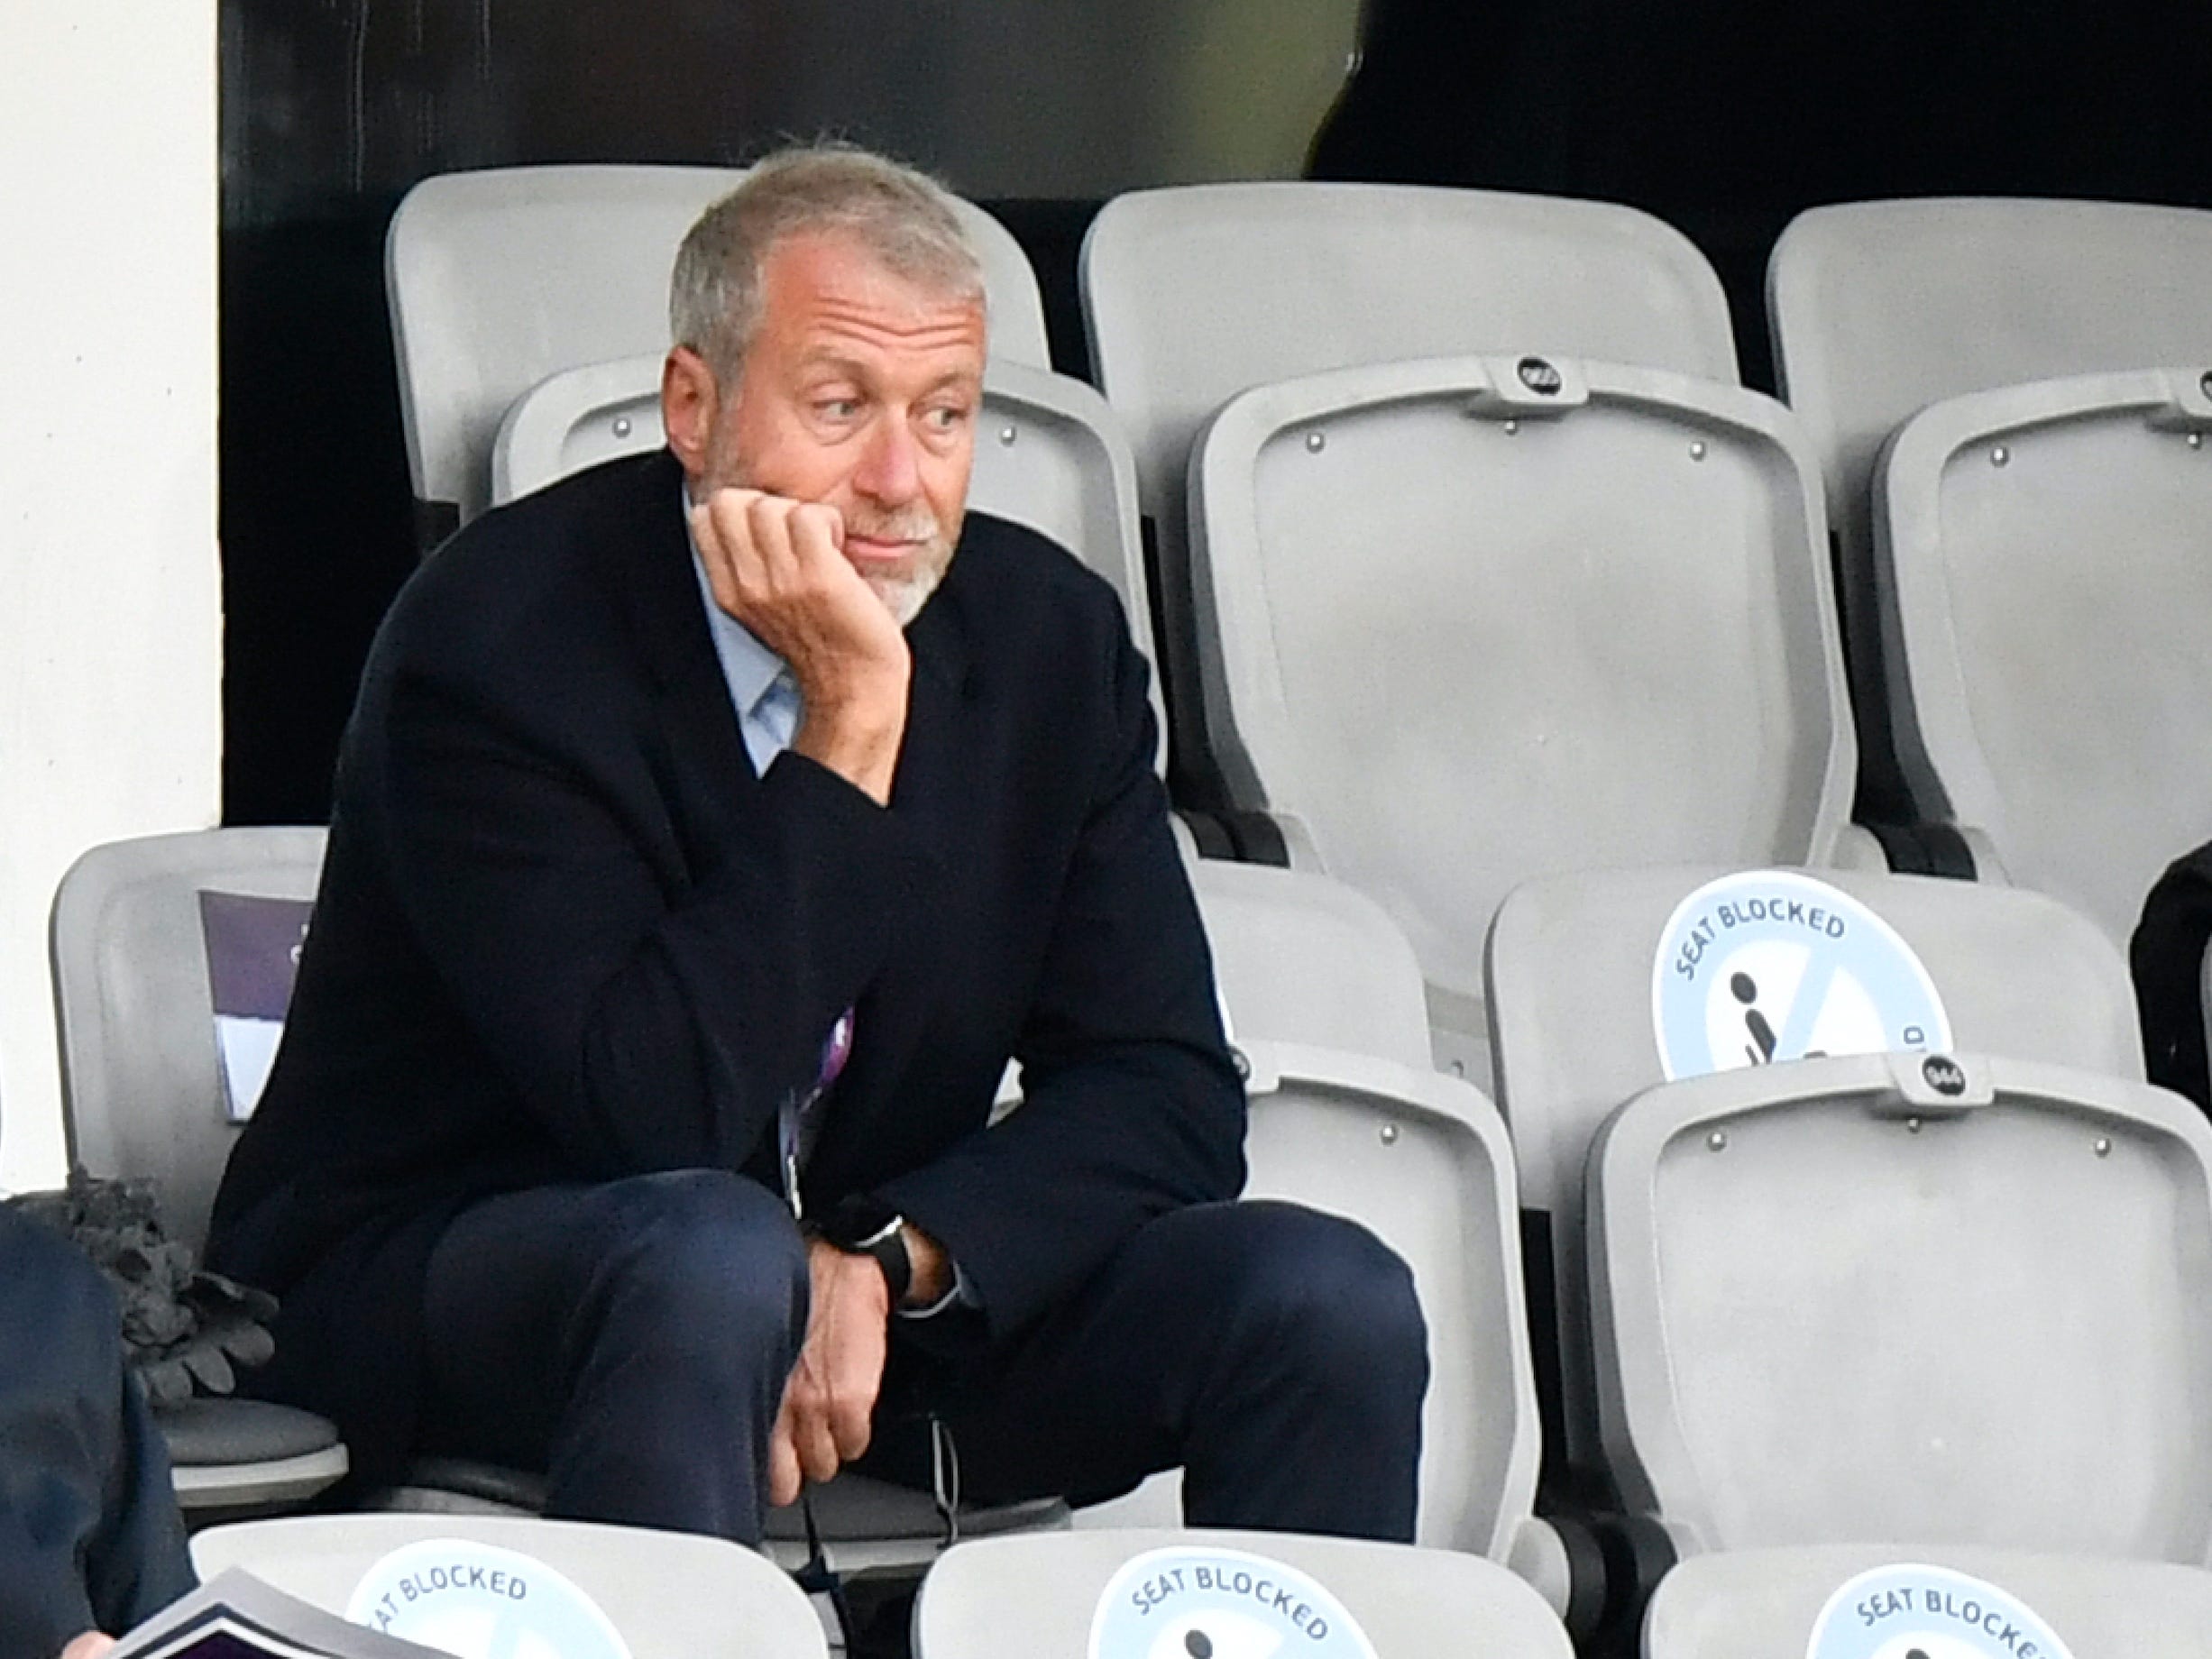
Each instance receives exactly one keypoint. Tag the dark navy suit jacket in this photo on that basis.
(565, 934)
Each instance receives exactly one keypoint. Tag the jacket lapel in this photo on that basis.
(704, 770)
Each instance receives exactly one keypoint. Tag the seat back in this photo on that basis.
(1013, 1598)
(1571, 962)
(1300, 958)
(1049, 454)
(1422, 1161)
(2040, 566)
(500, 278)
(1883, 1296)
(1473, 620)
(671, 1595)
(1196, 293)
(143, 1065)
(1754, 1604)
(1880, 309)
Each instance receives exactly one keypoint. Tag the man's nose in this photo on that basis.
(890, 471)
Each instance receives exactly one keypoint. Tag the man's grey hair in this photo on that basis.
(904, 218)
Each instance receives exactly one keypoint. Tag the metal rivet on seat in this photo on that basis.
(1512, 428)
(1390, 1134)
(1697, 449)
(2104, 1146)
(1717, 1141)
(621, 425)
(1912, 1125)
(1316, 443)
(2000, 456)
(1006, 435)
(1459, 1068)
(2195, 440)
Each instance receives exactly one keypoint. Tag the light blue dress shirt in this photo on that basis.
(768, 706)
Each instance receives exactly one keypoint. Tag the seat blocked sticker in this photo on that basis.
(1906, 1611)
(479, 1601)
(1773, 965)
(1195, 1602)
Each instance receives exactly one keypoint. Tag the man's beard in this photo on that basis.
(905, 592)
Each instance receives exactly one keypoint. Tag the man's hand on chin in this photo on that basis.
(778, 566)
(831, 1391)
(89, 1646)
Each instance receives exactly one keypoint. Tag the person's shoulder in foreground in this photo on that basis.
(91, 1537)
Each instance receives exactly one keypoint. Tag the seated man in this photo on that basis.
(90, 1538)
(711, 829)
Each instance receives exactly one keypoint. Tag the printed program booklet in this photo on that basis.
(238, 1617)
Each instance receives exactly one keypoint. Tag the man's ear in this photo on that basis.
(690, 402)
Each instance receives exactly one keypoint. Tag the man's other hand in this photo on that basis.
(89, 1646)
(831, 1391)
(778, 566)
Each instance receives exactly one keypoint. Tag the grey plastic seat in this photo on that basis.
(671, 1595)
(1299, 958)
(1818, 1190)
(500, 278)
(1196, 293)
(1469, 620)
(1015, 1597)
(143, 1096)
(2040, 570)
(1049, 454)
(1879, 309)
(1323, 1000)
(1754, 1604)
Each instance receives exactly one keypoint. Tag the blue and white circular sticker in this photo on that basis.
(1772, 964)
(479, 1601)
(1188, 1602)
(1914, 1612)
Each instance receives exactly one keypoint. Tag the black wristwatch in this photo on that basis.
(862, 1224)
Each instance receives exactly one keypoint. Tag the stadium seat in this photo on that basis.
(1196, 293)
(144, 1097)
(1302, 959)
(500, 278)
(1850, 1299)
(1889, 1287)
(670, 1595)
(1013, 1598)
(1049, 454)
(1469, 620)
(1755, 1604)
(2044, 593)
(1879, 309)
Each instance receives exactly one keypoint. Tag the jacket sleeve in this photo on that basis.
(644, 1028)
(1130, 1103)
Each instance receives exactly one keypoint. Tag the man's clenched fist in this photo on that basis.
(778, 566)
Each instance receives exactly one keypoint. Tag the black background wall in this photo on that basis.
(1725, 119)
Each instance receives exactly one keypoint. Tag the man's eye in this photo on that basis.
(838, 409)
(948, 418)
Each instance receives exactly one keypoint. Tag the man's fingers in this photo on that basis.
(848, 1426)
(818, 533)
(768, 518)
(89, 1646)
(783, 1462)
(817, 1449)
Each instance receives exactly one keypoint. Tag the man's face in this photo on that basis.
(860, 390)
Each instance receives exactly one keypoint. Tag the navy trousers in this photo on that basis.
(631, 1339)
(91, 1537)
